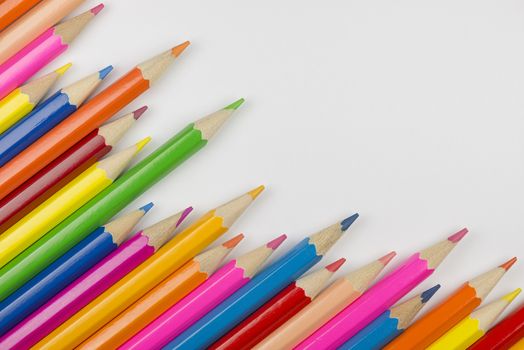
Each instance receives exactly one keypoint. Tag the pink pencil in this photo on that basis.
(216, 289)
(91, 284)
(22, 66)
(380, 297)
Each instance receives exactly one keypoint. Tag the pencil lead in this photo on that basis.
(104, 72)
(95, 10)
(274, 244)
(508, 264)
(348, 221)
(63, 69)
(235, 104)
(233, 242)
(425, 296)
(334, 266)
(455, 238)
(511, 296)
(387, 258)
(177, 50)
(184, 215)
(138, 113)
(254, 193)
(147, 207)
(142, 143)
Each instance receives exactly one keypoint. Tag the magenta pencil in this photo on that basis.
(216, 289)
(381, 296)
(49, 45)
(91, 284)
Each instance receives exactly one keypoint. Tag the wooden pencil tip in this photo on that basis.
(508, 264)
(455, 238)
(425, 296)
(511, 296)
(233, 242)
(387, 258)
(104, 72)
(184, 215)
(147, 207)
(334, 266)
(348, 221)
(95, 10)
(138, 113)
(63, 69)
(235, 104)
(177, 50)
(140, 144)
(256, 192)
(274, 244)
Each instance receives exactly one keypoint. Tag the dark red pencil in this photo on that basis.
(63, 169)
(278, 310)
(505, 334)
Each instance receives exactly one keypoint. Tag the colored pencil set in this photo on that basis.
(72, 274)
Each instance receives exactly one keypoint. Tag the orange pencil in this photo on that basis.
(86, 119)
(10, 10)
(159, 299)
(458, 306)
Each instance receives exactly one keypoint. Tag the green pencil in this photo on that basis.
(110, 201)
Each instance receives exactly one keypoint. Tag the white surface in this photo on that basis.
(409, 112)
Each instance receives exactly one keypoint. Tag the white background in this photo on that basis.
(409, 112)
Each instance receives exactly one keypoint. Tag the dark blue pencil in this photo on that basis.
(47, 115)
(260, 289)
(390, 324)
(67, 268)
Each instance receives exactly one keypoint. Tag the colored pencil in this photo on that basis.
(92, 283)
(260, 289)
(104, 206)
(336, 297)
(278, 310)
(47, 115)
(10, 10)
(22, 100)
(68, 268)
(505, 334)
(443, 317)
(390, 324)
(87, 118)
(37, 20)
(203, 299)
(62, 170)
(44, 49)
(518, 346)
(381, 296)
(474, 326)
(159, 299)
(65, 202)
(166, 261)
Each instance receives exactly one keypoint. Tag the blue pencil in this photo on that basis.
(47, 114)
(260, 289)
(67, 268)
(390, 324)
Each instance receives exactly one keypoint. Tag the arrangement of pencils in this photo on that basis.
(75, 273)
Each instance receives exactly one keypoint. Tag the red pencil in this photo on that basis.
(63, 169)
(505, 334)
(278, 310)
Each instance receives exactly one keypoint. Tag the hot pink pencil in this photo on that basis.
(22, 66)
(91, 284)
(216, 289)
(380, 297)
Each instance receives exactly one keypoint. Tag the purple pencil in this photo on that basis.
(91, 284)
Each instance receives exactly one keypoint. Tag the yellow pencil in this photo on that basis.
(129, 289)
(21, 101)
(518, 346)
(64, 202)
(473, 327)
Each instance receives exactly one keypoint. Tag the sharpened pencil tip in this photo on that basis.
(348, 221)
(184, 215)
(425, 296)
(511, 296)
(233, 242)
(256, 192)
(104, 72)
(63, 69)
(455, 238)
(274, 244)
(387, 258)
(147, 207)
(95, 10)
(235, 104)
(334, 266)
(142, 143)
(138, 113)
(177, 50)
(508, 264)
